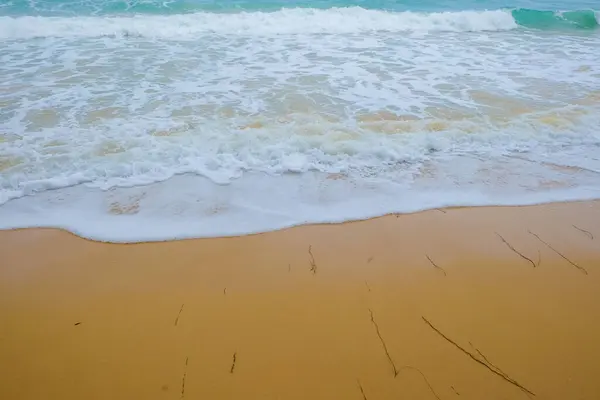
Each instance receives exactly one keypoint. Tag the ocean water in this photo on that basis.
(152, 120)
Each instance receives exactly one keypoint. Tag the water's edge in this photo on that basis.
(81, 233)
(157, 213)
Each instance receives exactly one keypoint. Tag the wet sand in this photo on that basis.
(464, 303)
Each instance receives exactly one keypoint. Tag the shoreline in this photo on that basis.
(442, 303)
(63, 227)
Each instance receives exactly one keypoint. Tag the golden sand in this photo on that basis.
(445, 304)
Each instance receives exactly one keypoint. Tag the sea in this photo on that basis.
(152, 120)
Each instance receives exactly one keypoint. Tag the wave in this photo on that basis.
(582, 19)
(291, 21)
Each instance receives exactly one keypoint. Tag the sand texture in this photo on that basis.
(465, 303)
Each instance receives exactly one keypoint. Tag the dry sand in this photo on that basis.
(422, 306)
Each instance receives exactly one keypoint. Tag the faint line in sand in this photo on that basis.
(583, 270)
(313, 264)
(178, 314)
(486, 359)
(435, 265)
(183, 378)
(588, 234)
(493, 369)
(424, 378)
(361, 390)
(391, 361)
(385, 349)
(517, 252)
(233, 363)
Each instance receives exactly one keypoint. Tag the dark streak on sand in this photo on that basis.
(524, 257)
(178, 314)
(387, 353)
(313, 264)
(493, 369)
(361, 390)
(424, 378)
(233, 363)
(183, 379)
(435, 265)
(588, 234)
(580, 268)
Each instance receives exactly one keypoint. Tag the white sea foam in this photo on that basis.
(247, 129)
(286, 21)
(189, 207)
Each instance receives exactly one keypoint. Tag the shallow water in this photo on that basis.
(151, 121)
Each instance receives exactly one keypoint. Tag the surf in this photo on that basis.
(556, 20)
(291, 21)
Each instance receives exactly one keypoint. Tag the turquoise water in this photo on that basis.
(580, 14)
(99, 7)
(152, 120)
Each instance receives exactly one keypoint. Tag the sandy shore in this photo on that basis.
(456, 303)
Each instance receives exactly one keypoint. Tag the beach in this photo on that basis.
(469, 303)
(299, 199)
